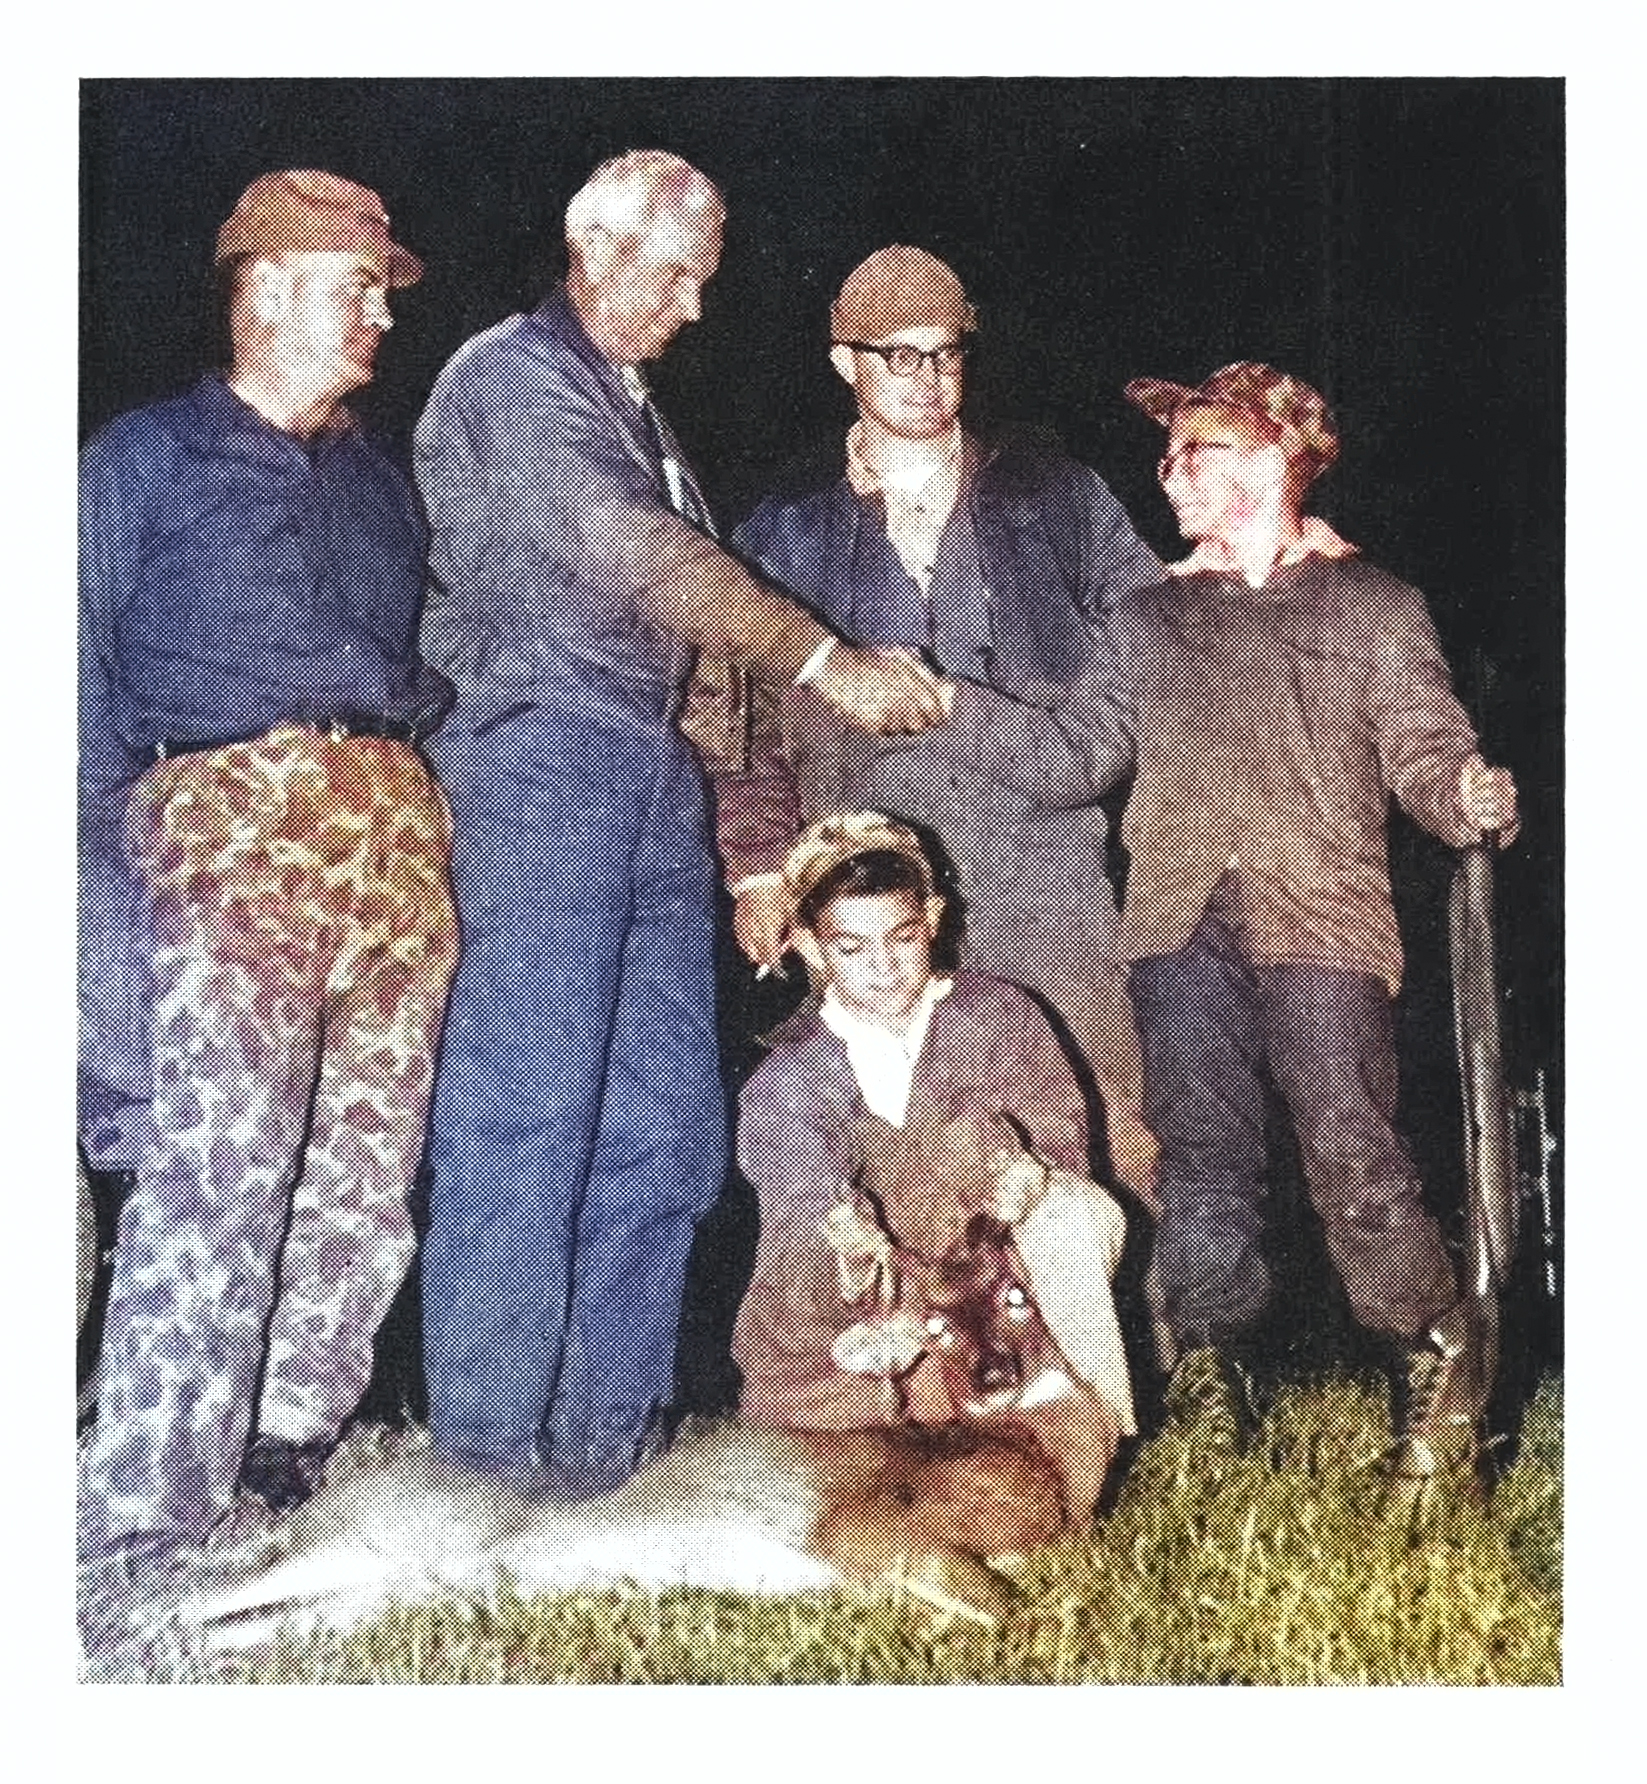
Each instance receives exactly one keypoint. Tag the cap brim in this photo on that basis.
(1158, 397)
(404, 267)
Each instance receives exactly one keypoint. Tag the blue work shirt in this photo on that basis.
(232, 576)
(551, 518)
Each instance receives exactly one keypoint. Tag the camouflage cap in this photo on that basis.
(305, 210)
(899, 287)
(1294, 415)
(823, 846)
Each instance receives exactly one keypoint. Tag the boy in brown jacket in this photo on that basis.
(1286, 690)
(930, 1300)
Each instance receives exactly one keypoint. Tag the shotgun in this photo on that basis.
(1493, 1187)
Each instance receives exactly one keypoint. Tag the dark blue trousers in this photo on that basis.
(1213, 1025)
(579, 1118)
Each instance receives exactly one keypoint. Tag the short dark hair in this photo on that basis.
(868, 875)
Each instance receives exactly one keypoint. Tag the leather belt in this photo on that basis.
(353, 724)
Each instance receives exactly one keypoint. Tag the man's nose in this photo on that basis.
(376, 310)
(689, 301)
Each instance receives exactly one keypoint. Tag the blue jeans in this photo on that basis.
(1213, 1026)
(579, 1123)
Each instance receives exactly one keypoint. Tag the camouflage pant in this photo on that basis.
(303, 940)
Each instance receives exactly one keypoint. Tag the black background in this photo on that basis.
(1398, 243)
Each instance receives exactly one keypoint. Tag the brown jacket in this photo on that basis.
(1273, 727)
(806, 1140)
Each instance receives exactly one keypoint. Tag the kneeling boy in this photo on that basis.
(930, 1301)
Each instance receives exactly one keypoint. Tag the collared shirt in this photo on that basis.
(918, 504)
(552, 518)
(559, 555)
(883, 1061)
(233, 576)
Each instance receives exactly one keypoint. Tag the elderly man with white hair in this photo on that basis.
(578, 1128)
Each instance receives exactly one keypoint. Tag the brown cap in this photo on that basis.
(307, 211)
(899, 288)
(825, 845)
(1294, 416)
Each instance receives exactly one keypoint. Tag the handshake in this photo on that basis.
(882, 690)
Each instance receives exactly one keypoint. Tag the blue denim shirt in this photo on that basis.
(550, 516)
(231, 576)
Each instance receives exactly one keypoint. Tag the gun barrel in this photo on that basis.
(1488, 1151)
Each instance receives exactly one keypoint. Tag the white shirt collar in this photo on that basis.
(881, 1061)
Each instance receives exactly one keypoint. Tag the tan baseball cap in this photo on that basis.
(304, 210)
(842, 837)
(899, 287)
(1291, 412)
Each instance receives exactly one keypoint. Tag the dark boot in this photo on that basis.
(1439, 1398)
(1211, 1391)
(283, 1474)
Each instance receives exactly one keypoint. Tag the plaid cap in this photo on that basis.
(1296, 414)
(823, 846)
(899, 287)
(304, 210)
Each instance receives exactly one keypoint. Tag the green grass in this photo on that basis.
(1272, 1568)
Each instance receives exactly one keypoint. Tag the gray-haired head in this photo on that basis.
(644, 192)
(643, 238)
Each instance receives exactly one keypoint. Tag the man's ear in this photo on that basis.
(1273, 463)
(594, 247)
(934, 908)
(270, 291)
(841, 358)
(805, 944)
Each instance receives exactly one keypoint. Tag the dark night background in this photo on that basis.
(1398, 243)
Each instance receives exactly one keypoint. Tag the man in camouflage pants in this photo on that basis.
(250, 575)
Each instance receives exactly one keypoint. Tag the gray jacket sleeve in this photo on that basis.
(1424, 734)
(1069, 747)
(533, 497)
(1068, 744)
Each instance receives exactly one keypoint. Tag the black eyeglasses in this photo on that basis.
(905, 361)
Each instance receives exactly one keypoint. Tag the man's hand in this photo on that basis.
(760, 921)
(1489, 798)
(882, 690)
